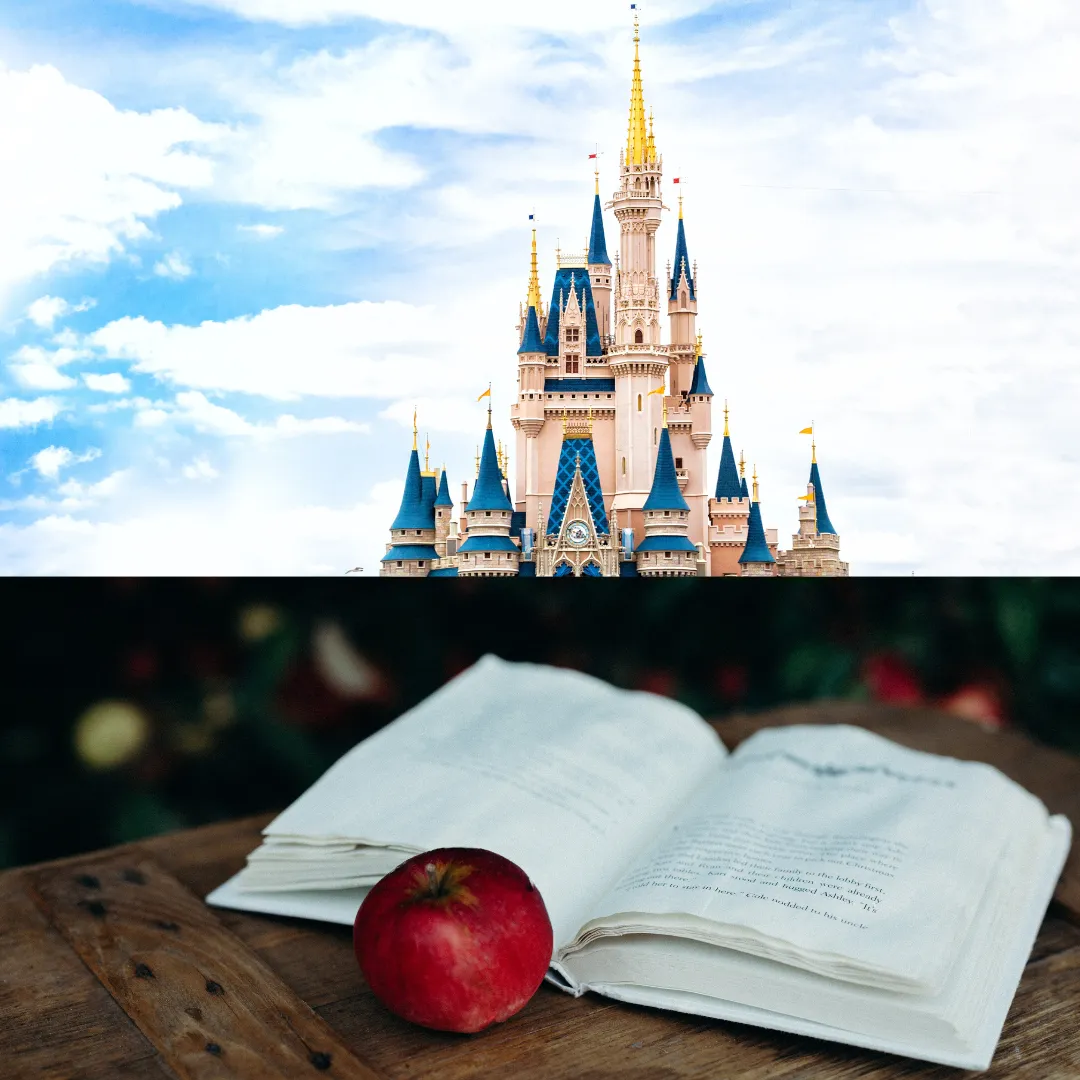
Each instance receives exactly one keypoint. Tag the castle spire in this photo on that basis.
(727, 479)
(665, 493)
(636, 136)
(652, 140)
(681, 267)
(598, 255)
(757, 547)
(414, 431)
(742, 475)
(824, 525)
(534, 278)
(699, 383)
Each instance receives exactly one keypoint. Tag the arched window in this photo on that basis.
(655, 436)
(638, 409)
(624, 466)
(639, 337)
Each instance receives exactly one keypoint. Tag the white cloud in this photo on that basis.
(174, 266)
(34, 371)
(362, 349)
(200, 469)
(79, 178)
(111, 383)
(459, 414)
(44, 311)
(262, 231)
(52, 459)
(18, 413)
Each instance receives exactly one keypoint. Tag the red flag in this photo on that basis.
(675, 181)
(592, 155)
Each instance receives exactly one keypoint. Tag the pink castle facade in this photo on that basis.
(612, 427)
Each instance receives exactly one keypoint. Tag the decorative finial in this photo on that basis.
(664, 412)
(755, 484)
(596, 173)
(414, 432)
(813, 445)
(726, 432)
(478, 461)
(534, 279)
(427, 451)
(680, 205)
(636, 137)
(697, 355)
(489, 406)
(742, 464)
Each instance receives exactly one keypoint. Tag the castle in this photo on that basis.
(612, 429)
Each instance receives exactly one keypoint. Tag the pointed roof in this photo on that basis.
(727, 479)
(637, 138)
(531, 342)
(443, 497)
(745, 493)
(757, 548)
(824, 525)
(572, 279)
(428, 491)
(682, 262)
(488, 493)
(665, 493)
(598, 255)
(699, 384)
(412, 514)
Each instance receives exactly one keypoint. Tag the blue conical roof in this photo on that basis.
(743, 492)
(727, 479)
(665, 493)
(412, 514)
(682, 259)
(699, 384)
(427, 498)
(443, 497)
(824, 525)
(531, 342)
(756, 550)
(488, 493)
(598, 255)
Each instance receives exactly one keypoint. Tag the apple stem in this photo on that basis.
(434, 883)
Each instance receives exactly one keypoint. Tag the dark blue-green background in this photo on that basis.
(250, 688)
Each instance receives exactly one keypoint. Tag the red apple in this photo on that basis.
(454, 939)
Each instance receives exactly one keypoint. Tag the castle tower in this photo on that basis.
(637, 359)
(756, 560)
(444, 509)
(815, 548)
(682, 313)
(488, 550)
(729, 512)
(527, 413)
(666, 550)
(599, 266)
(411, 550)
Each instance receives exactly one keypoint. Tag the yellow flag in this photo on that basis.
(807, 431)
(658, 390)
(486, 393)
(810, 496)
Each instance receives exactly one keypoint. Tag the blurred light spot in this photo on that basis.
(258, 621)
(347, 672)
(110, 734)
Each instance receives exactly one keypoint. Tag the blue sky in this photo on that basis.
(241, 239)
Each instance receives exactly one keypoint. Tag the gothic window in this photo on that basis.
(678, 463)
(573, 363)
(638, 337)
(572, 333)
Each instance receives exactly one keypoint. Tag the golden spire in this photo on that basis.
(478, 461)
(742, 464)
(652, 141)
(596, 173)
(726, 432)
(813, 448)
(755, 484)
(665, 411)
(489, 406)
(697, 353)
(680, 205)
(534, 279)
(414, 427)
(636, 137)
(427, 451)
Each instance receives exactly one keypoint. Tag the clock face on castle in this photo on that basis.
(577, 533)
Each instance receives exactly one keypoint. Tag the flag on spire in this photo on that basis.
(658, 390)
(807, 431)
(486, 393)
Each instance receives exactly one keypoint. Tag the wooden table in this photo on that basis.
(111, 967)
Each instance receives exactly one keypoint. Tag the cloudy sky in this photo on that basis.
(240, 239)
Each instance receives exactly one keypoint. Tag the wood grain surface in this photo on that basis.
(73, 1006)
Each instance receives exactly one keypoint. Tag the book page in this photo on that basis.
(829, 848)
(558, 771)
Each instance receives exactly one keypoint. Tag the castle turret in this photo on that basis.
(729, 512)
(666, 550)
(742, 476)
(487, 550)
(815, 548)
(637, 359)
(527, 413)
(444, 509)
(411, 550)
(682, 312)
(599, 266)
(756, 560)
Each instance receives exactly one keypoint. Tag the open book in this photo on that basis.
(819, 880)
